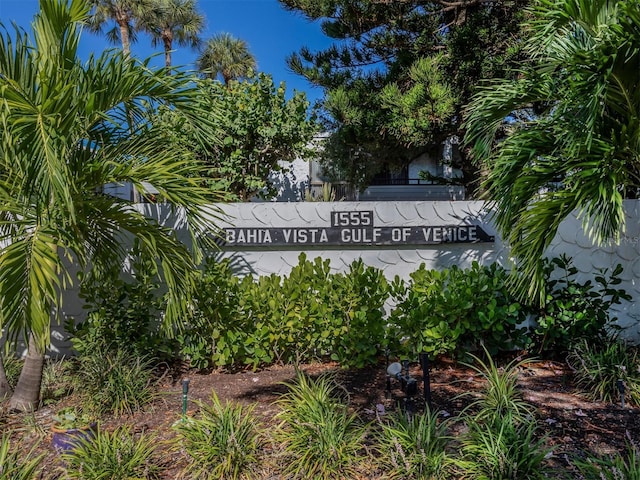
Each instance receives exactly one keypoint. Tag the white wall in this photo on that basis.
(401, 260)
(393, 260)
(423, 163)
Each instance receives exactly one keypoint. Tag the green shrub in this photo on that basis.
(356, 302)
(319, 437)
(413, 446)
(123, 312)
(456, 311)
(115, 381)
(250, 322)
(309, 314)
(16, 464)
(115, 456)
(217, 331)
(313, 313)
(289, 315)
(223, 443)
(598, 368)
(574, 310)
(611, 467)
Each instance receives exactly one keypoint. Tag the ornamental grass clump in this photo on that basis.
(412, 446)
(501, 396)
(502, 441)
(612, 467)
(15, 463)
(57, 380)
(12, 365)
(223, 443)
(598, 368)
(119, 455)
(502, 449)
(116, 381)
(320, 438)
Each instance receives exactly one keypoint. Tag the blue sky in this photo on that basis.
(271, 32)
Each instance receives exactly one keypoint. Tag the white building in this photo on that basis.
(304, 181)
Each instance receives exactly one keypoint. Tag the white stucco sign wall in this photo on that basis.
(399, 236)
(396, 237)
(393, 236)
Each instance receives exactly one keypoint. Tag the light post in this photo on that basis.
(185, 394)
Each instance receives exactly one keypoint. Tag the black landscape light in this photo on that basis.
(408, 384)
(400, 371)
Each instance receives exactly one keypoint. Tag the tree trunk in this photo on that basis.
(167, 61)
(5, 388)
(26, 396)
(167, 40)
(124, 38)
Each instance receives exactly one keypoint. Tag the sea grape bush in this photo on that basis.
(123, 313)
(452, 311)
(356, 301)
(351, 317)
(295, 314)
(213, 333)
(314, 313)
(311, 313)
(572, 310)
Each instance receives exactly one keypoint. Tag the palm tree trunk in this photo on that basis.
(167, 61)
(5, 388)
(26, 396)
(124, 38)
(168, 45)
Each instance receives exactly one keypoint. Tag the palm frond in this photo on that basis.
(580, 151)
(68, 129)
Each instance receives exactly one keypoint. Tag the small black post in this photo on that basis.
(424, 363)
(185, 393)
(387, 392)
(620, 385)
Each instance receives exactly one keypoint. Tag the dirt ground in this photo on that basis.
(573, 424)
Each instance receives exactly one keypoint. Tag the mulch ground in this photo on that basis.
(573, 425)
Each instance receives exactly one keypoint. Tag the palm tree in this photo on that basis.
(69, 128)
(226, 56)
(173, 20)
(577, 146)
(123, 13)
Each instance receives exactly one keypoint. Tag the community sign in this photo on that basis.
(354, 228)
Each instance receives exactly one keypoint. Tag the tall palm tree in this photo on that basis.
(173, 20)
(69, 128)
(227, 56)
(123, 14)
(577, 146)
